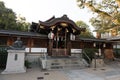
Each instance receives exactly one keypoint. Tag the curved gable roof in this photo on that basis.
(64, 19)
(46, 26)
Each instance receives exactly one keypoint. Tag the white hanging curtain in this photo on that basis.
(72, 37)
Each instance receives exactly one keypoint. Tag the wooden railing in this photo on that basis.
(59, 52)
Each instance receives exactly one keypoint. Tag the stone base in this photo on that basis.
(14, 71)
(97, 63)
(15, 62)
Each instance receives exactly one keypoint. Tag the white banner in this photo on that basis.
(76, 50)
(36, 50)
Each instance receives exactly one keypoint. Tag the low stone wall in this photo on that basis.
(97, 63)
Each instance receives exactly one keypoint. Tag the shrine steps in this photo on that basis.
(63, 63)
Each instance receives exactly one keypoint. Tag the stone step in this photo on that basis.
(52, 64)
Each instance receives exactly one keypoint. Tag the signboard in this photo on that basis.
(76, 50)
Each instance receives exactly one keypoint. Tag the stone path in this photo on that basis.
(106, 73)
(81, 75)
(91, 74)
(35, 74)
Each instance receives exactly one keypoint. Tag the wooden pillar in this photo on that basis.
(30, 44)
(50, 45)
(69, 48)
(68, 45)
(83, 44)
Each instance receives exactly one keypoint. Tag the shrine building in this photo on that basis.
(55, 38)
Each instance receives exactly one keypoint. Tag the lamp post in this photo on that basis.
(98, 54)
(94, 45)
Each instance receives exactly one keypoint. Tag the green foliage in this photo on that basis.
(82, 3)
(117, 52)
(90, 53)
(107, 11)
(3, 50)
(87, 33)
(8, 19)
(3, 56)
(22, 25)
(27, 64)
(101, 23)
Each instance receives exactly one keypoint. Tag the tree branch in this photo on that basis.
(118, 2)
(105, 14)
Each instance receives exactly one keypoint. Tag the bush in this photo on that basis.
(90, 53)
(116, 52)
(3, 56)
(27, 64)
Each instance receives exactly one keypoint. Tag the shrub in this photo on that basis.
(90, 53)
(3, 56)
(27, 64)
(116, 52)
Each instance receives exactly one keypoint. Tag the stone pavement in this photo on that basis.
(35, 74)
(104, 73)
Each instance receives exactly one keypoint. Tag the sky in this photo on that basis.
(35, 10)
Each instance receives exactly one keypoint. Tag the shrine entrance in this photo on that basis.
(59, 31)
(60, 39)
(59, 42)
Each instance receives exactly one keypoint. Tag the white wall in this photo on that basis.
(36, 49)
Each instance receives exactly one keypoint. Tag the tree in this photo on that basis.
(87, 33)
(102, 24)
(9, 20)
(22, 24)
(7, 17)
(107, 10)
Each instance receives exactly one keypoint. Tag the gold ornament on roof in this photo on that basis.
(73, 30)
(64, 24)
(52, 27)
(42, 27)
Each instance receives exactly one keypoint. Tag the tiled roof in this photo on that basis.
(22, 33)
(94, 40)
